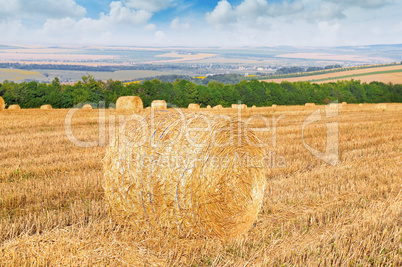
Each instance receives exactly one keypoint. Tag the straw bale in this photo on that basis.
(196, 184)
(129, 103)
(218, 107)
(193, 106)
(14, 107)
(241, 106)
(381, 106)
(46, 107)
(274, 106)
(87, 106)
(360, 105)
(310, 104)
(2, 104)
(344, 103)
(158, 104)
(254, 106)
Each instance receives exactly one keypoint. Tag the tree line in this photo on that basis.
(183, 92)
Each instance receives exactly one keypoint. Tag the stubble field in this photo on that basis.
(53, 210)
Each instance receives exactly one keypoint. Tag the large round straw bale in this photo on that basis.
(239, 106)
(2, 104)
(381, 106)
(193, 106)
(87, 106)
(130, 103)
(218, 107)
(182, 182)
(310, 104)
(158, 104)
(46, 107)
(14, 107)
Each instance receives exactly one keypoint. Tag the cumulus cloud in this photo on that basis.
(47, 8)
(122, 14)
(252, 8)
(148, 5)
(364, 3)
(222, 14)
(177, 25)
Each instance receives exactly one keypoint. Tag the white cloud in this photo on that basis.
(148, 5)
(177, 25)
(252, 8)
(364, 3)
(121, 14)
(48, 8)
(150, 27)
(222, 14)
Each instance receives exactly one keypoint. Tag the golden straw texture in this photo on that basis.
(131, 103)
(185, 182)
(2, 104)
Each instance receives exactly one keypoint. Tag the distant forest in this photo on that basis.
(182, 92)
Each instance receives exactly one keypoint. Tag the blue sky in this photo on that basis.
(232, 23)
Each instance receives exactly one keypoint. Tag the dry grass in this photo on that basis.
(53, 209)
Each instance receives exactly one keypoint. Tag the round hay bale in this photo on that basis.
(218, 107)
(46, 107)
(254, 106)
(310, 105)
(2, 104)
(344, 103)
(87, 106)
(274, 106)
(360, 105)
(381, 106)
(129, 103)
(158, 104)
(160, 176)
(14, 107)
(208, 107)
(193, 106)
(239, 106)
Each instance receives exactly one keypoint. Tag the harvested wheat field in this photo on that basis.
(53, 207)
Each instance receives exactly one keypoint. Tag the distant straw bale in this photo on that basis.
(218, 107)
(193, 106)
(208, 107)
(254, 106)
(2, 104)
(159, 104)
(14, 107)
(129, 103)
(310, 104)
(46, 107)
(274, 106)
(87, 106)
(344, 103)
(335, 105)
(360, 105)
(196, 184)
(381, 106)
(241, 106)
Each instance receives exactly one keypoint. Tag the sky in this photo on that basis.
(197, 23)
